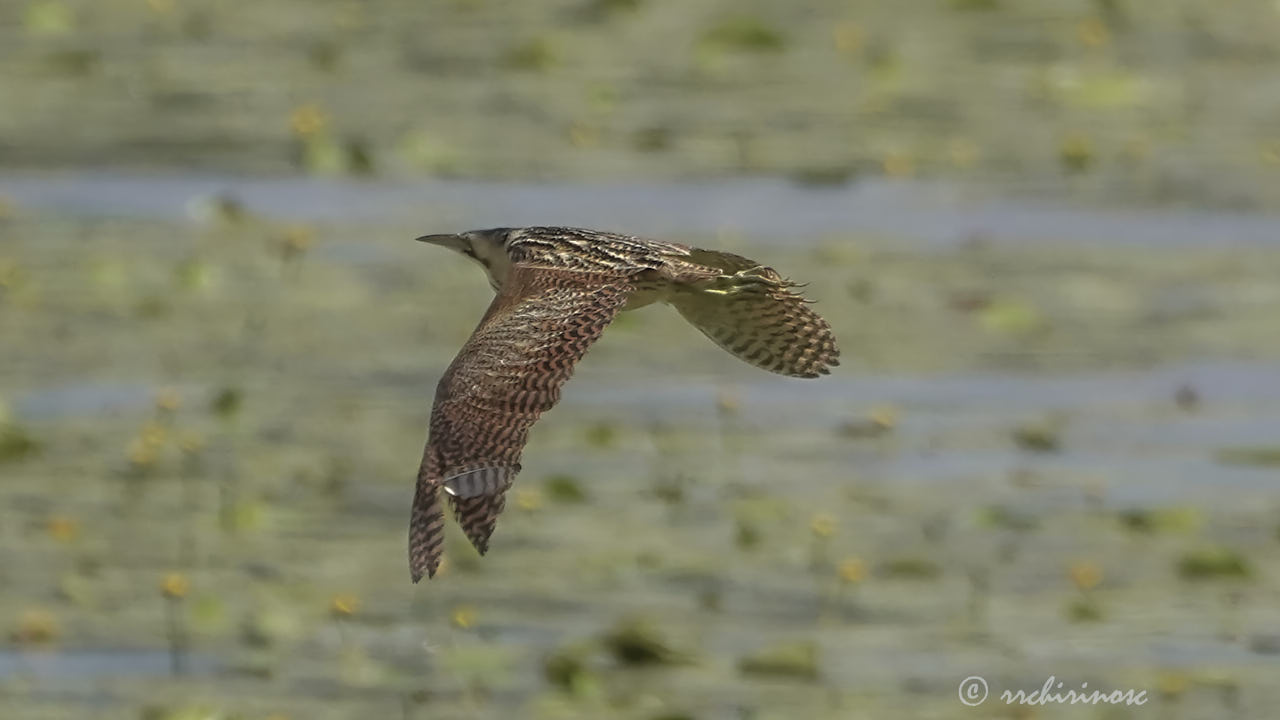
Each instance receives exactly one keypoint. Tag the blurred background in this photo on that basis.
(1044, 232)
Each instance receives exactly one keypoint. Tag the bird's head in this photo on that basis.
(487, 247)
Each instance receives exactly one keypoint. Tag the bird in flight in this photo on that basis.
(557, 289)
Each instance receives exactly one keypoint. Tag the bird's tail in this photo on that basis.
(426, 526)
(478, 515)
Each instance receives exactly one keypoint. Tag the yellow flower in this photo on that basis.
(582, 135)
(464, 616)
(296, 239)
(1075, 152)
(898, 165)
(307, 120)
(852, 570)
(1085, 575)
(823, 525)
(141, 454)
(168, 400)
(1171, 684)
(153, 435)
(1092, 32)
(175, 586)
(36, 626)
(344, 605)
(727, 402)
(884, 416)
(848, 37)
(144, 449)
(62, 528)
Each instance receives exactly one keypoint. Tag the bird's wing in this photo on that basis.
(507, 374)
(754, 313)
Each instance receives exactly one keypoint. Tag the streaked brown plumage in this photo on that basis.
(557, 290)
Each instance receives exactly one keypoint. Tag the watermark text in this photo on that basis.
(974, 691)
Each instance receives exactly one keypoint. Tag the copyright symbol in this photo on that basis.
(973, 690)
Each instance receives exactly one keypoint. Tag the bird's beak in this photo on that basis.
(448, 240)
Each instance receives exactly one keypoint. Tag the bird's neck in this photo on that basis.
(496, 263)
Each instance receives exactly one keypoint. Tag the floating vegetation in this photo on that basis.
(824, 176)
(670, 489)
(822, 527)
(1265, 643)
(36, 626)
(1075, 153)
(974, 5)
(174, 588)
(746, 533)
(49, 18)
(153, 307)
(481, 667)
(324, 55)
(1040, 437)
(1255, 456)
(1187, 398)
(879, 422)
(794, 660)
(999, 516)
(1217, 563)
(1084, 575)
(637, 641)
(1083, 609)
(16, 443)
(744, 34)
(564, 488)
(272, 623)
(529, 499)
(910, 568)
(427, 151)
(1009, 316)
(62, 529)
(601, 435)
(1170, 520)
(535, 55)
(851, 570)
(74, 62)
(602, 9)
(569, 668)
(226, 403)
(656, 138)
(193, 274)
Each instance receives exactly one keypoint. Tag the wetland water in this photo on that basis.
(766, 210)
(1050, 450)
(1044, 233)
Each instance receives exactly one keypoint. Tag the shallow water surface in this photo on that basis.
(1035, 459)
(770, 210)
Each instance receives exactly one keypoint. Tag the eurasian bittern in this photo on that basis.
(557, 290)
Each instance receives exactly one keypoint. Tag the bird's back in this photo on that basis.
(590, 250)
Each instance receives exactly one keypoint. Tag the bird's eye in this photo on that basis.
(469, 252)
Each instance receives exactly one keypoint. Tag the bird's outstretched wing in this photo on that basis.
(507, 374)
(753, 312)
